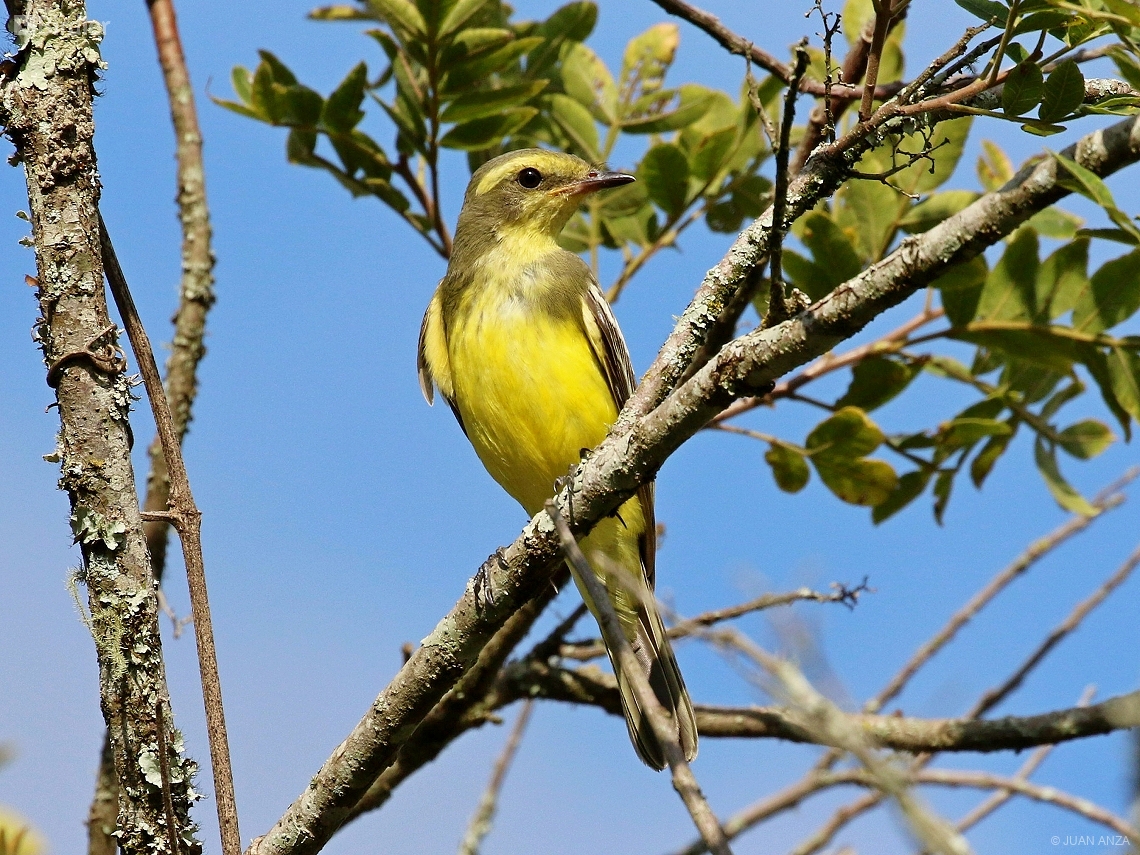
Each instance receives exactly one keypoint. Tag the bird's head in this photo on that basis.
(530, 191)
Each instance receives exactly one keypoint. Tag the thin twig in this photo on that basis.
(683, 780)
(778, 309)
(1034, 553)
(995, 695)
(480, 823)
(584, 651)
(188, 523)
(739, 45)
(1031, 765)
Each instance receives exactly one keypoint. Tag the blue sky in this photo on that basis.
(343, 516)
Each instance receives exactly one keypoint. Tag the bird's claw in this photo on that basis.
(482, 582)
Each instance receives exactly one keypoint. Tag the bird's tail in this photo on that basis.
(645, 632)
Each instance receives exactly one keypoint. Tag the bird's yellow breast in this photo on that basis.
(527, 383)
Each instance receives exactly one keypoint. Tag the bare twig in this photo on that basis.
(1037, 792)
(188, 523)
(739, 45)
(995, 695)
(1034, 553)
(683, 780)
(778, 308)
(840, 593)
(480, 823)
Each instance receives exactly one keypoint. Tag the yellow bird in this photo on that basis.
(522, 345)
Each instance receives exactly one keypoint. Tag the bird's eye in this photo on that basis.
(530, 178)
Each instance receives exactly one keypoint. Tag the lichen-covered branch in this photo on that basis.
(639, 445)
(46, 106)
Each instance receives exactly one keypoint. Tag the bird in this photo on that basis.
(522, 345)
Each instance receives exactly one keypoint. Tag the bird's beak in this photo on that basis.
(595, 180)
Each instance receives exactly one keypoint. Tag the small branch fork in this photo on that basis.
(187, 520)
(840, 593)
(683, 780)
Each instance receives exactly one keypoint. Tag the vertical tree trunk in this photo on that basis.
(46, 107)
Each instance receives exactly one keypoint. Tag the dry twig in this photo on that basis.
(187, 520)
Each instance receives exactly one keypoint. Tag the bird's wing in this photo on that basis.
(432, 362)
(612, 354)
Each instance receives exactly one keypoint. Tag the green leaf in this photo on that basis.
(943, 485)
(830, 247)
(1023, 89)
(1010, 290)
(987, 10)
(857, 481)
(1123, 370)
(459, 14)
(339, 13)
(1086, 439)
(875, 381)
(470, 73)
(665, 172)
(847, 433)
(341, 112)
(934, 209)
(490, 102)
(707, 159)
(1085, 182)
(571, 23)
(984, 460)
(577, 123)
(1052, 347)
(1064, 92)
(278, 71)
(588, 81)
(648, 56)
(809, 277)
(692, 101)
(961, 289)
(242, 80)
(402, 16)
(1113, 295)
(1063, 492)
(994, 166)
(482, 133)
(960, 432)
(1055, 223)
(788, 467)
(1062, 278)
(300, 145)
(908, 488)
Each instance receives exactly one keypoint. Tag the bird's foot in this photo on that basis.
(482, 582)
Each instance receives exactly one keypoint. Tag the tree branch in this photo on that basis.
(49, 119)
(638, 446)
(590, 686)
